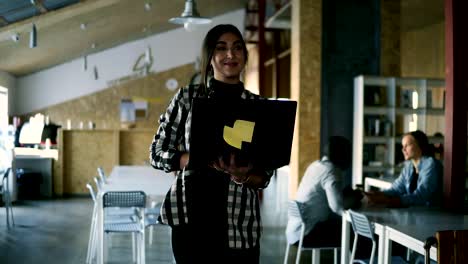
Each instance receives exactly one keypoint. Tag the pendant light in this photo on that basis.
(33, 37)
(190, 16)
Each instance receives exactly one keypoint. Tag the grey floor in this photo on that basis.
(57, 231)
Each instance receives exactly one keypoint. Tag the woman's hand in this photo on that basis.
(184, 159)
(379, 198)
(375, 198)
(238, 174)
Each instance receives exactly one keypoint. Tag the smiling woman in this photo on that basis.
(209, 202)
(420, 181)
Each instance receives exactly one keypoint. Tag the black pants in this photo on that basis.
(188, 247)
(205, 238)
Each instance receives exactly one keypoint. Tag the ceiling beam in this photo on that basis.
(3, 21)
(52, 18)
(39, 4)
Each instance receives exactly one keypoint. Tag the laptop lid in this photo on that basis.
(259, 132)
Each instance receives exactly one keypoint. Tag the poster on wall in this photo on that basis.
(132, 110)
(127, 111)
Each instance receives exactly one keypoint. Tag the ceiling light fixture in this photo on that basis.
(33, 37)
(190, 16)
(85, 62)
(95, 73)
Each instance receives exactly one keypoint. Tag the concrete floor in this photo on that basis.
(57, 231)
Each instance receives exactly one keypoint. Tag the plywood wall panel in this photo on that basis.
(103, 107)
(134, 146)
(83, 152)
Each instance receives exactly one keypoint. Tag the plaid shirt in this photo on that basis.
(172, 139)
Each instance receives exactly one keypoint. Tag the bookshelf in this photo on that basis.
(384, 109)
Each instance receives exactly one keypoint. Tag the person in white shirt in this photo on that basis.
(320, 192)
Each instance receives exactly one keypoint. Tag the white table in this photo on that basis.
(407, 226)
(155, 183)
(381, 183)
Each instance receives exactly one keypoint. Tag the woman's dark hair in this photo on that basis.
(209, 45)
(338, 151)
(423, 142)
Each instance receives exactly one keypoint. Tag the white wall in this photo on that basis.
(69, 80)
(9, 81)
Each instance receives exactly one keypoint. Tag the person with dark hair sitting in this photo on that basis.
(420, 181)
(320, 191)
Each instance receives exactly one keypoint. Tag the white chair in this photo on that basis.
(127, 199)
(151, 218)
(101, 174)
(113, 216)
(112, 211)
(5, 192)
(294, 209)
(363, 227)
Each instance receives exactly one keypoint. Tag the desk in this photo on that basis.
(410, 227)
(155, 183)
(407, 226)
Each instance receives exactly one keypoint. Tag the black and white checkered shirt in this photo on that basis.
(171, 140)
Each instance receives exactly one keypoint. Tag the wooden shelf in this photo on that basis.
(387, 118)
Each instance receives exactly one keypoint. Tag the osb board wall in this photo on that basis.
(73, 170)
(390, 38)
(83, 151)
(423, 52)
(134, 146)
(423, 55)
(103, 107)
(306, 46)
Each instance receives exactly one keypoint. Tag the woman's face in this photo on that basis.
(410, 148)
(228, 59)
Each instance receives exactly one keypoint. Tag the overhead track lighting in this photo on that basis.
(33, 37)
(190, 16)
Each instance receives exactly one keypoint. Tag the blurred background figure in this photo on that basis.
(439, 147)
(321, 192)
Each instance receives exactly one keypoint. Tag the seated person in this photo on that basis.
(320, 191)
(420, 181)
(439, 148)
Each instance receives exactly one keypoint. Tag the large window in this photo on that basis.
(5, 157)
(3, 107)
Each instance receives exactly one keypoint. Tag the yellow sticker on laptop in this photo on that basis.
(241, 131)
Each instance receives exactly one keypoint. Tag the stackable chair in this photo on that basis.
(294, 209)
(363, 227)
(127, 199)
(5, 192)
(102, 175)
(112, 211)
(117, 216)
(151, 218)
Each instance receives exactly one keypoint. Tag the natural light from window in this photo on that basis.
(3, 107)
